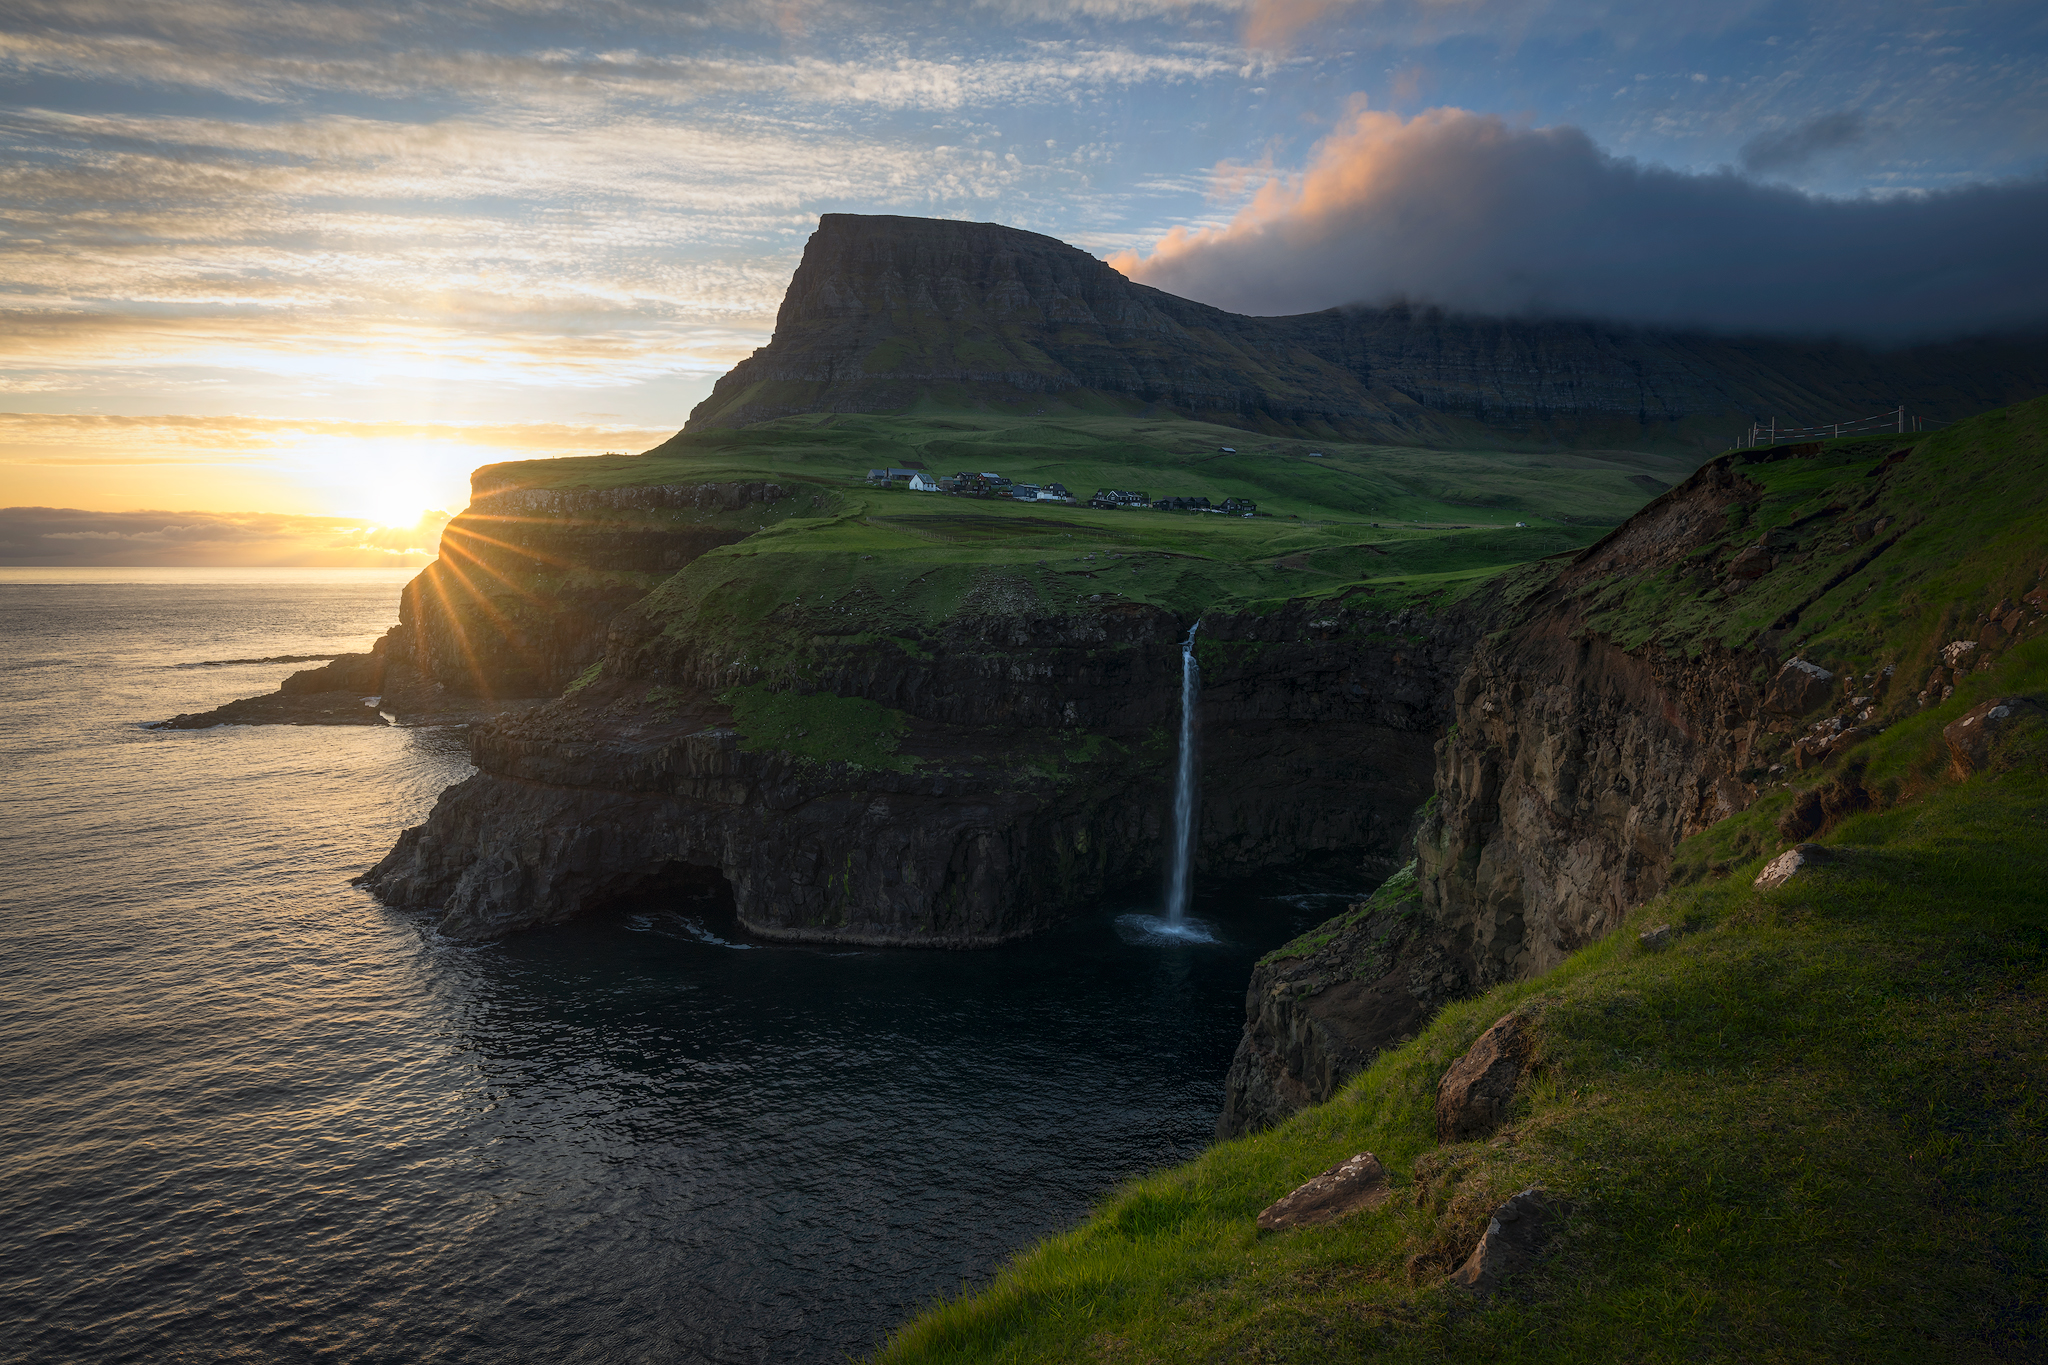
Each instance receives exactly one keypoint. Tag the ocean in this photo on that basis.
(251, 1114)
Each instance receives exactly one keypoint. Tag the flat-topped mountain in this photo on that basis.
(887, 313)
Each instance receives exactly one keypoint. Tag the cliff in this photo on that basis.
(886, 314)
(1740, 638)
(1737, 857)
(518, 602)
(953, 795)
(1775, 611)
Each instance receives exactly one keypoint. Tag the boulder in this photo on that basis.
(1972, 736)
(1515, 1237)
(1753, 562)
(1790, 863)
(1657, 939)
(1473, 1097)
(1347, 1187)
(1955, 651)
(1799, 687)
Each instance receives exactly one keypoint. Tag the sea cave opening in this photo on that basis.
(697, 892)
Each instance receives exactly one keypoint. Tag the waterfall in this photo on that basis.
(1184, 784)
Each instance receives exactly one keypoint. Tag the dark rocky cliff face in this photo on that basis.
(1319, 1009)
(997, 820)
(518, 602)
(1764, 617)
(885, 311)
(1577, 765)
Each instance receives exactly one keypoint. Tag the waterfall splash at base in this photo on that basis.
(1175, 924)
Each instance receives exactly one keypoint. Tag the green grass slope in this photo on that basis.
(839, 557)
(1815, 1128)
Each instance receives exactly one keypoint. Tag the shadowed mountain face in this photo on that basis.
(886, 314)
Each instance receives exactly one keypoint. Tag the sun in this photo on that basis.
(396, 505)
(392, 482)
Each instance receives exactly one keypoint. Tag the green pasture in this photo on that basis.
(1164, 457)
(1349, 520)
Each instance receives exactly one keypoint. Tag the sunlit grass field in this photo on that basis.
(1335, 518)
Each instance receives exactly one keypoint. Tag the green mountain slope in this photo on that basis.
(1811, 1128)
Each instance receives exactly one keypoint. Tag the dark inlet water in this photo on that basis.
(252, 1115)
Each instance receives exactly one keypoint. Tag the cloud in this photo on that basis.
(1472, 213)
(100, 438)
(63, 536)
(562, 78)
(1793, 149)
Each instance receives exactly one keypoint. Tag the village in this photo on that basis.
(982, 484)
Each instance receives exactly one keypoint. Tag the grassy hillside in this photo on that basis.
(1814, 1128)
(840, 557)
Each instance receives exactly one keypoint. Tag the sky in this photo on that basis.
(320, 260)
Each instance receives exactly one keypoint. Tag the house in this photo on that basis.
(890, 475)
(1024, 492)
(1054, 492)
(1228, 450)
(1184, 505)
(1244, 505)
(921, 482)
(971, 484)
(1118, 498)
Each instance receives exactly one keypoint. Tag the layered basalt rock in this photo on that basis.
(885, 312)
(1319, 1009)
(1316, 727)
(528, 580)
(1576, 765)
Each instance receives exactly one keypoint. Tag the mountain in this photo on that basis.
(890, 314)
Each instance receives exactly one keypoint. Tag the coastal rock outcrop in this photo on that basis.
(1633, 703)
(983, 822)
(1319, 1009)
(1577, 764)
(519, 602)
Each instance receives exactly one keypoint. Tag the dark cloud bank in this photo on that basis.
(1470, 213)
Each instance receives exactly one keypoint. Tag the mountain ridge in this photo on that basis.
(892, 313)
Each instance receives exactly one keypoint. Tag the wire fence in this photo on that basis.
(1897, 420)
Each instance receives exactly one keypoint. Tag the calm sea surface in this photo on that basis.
(250, 1114)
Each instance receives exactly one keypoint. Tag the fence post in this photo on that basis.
(1902, 419)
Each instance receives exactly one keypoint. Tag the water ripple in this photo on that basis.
(254, 1116)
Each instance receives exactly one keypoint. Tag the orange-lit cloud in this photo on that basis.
(1275, 24)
